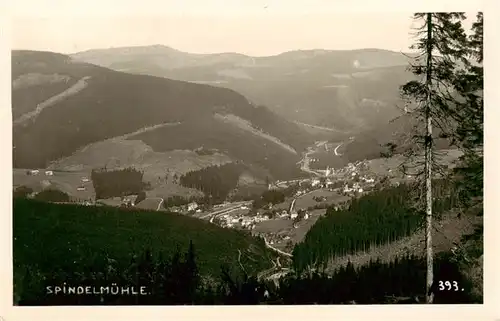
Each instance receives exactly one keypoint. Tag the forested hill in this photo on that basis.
(85, 236)
(60, 105)
(375, 219)
(373, 143)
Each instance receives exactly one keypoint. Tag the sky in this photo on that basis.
(252, 27)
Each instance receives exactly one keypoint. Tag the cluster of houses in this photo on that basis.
(34, 172)
(129, 200)
(273, 238)
(353, 169)
(284, 184)
(234, 221)
(249, 222)
(292, 215)
(363, 184)
(82, 187)
(192, 207)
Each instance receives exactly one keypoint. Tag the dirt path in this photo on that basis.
(319, 127)
(160, 204)
(128, 135)
(304, 163)
(247, 126)
(76, 88)
(276, 250)
(336, 148)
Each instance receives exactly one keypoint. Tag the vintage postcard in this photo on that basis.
(246, 154)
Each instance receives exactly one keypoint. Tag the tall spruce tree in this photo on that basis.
(442, 46)
(469, 115)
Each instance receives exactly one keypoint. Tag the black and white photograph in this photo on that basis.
(260, 158)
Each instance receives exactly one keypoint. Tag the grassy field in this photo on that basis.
(116, 154)
(274, 226)
(119, 153)
(299, 233)
(67, 182)
(152, 204)
(327, 158)
(54, 237)
(308, 201)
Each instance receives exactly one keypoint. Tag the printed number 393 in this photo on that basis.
(447, 285)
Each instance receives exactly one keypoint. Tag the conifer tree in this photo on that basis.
(443, 48)
(469, 116)
(192, 273)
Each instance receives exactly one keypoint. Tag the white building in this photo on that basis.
(192, 206)
(306, 216)
(328, 183)
(81, 188)
(49, 173)
(85, 179)
(34, 172)
(315, 182)
(293, 215)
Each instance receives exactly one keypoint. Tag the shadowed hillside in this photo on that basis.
(345, 89)
(82, 235)
(373, 143)
(112, 104)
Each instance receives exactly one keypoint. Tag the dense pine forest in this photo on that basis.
(52, 239)
(52, 195)
(273, 196)
(217, 181)
(150, 279)
(374, 219)
(113, 183)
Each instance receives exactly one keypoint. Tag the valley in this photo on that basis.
(282, 169)
(326, 186)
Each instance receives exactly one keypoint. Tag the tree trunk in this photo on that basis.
(428, 164)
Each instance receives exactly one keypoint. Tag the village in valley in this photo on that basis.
(281, 224)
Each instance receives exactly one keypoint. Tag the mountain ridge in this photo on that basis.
(344, 89)
(116, 103)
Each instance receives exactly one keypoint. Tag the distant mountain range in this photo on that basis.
(350, 90)
(75, 110)
(61, 106)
